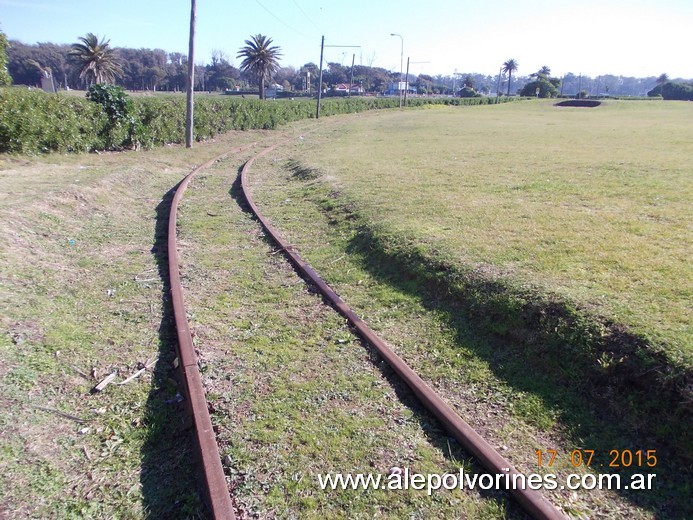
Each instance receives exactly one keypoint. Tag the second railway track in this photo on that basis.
(211, 462)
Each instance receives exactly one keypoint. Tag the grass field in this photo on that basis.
(83, 295)
(591, 204)
(509, 227)
(294, 393)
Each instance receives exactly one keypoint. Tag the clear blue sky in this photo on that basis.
(629, 38)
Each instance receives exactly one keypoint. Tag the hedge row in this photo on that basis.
(32, 121)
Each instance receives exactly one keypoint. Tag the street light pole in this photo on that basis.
(401, 66)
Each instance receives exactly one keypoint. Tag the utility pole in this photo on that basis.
(191, 78)
(401, 63)
(498, 86)
(406, 83)
(322, 49)
(351, 80)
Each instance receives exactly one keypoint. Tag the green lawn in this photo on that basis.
(455, 231)
(83, 294)
(593, 205)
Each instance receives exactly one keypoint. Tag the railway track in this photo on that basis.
(212, 472)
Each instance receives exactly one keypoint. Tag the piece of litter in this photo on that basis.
(105, 382)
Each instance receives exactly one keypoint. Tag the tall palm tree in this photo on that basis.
(510, 66)
(542, 73)
(260, 59)
(98, 63)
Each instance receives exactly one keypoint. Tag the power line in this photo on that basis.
(307, 17)
(280, 20)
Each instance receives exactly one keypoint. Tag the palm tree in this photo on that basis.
(98, 63)
(259, 59)
(510, 66)
(542, 73)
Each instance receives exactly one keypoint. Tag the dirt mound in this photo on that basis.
(578, 103)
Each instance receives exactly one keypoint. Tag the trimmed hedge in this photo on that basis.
(32, 121)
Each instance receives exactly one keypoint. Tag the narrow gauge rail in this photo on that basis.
(212, 472)
(217, 491)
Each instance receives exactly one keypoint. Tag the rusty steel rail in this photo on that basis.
(532, 501)
(218, 498)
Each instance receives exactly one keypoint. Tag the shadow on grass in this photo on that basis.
(169, 476)
(601, 410)
(430, 426)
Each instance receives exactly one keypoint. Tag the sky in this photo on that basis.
(629, 38)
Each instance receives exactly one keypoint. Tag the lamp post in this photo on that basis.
(401, 66)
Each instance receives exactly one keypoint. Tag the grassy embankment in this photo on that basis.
(551, 243)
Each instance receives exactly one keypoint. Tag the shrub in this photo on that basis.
(117, 106)
(36, 122)
(546, 89)
(468, 92)
(677, 91)
(32, 121)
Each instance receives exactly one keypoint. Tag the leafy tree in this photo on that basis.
(176, 71)
(509, 67)
(5, 78)
(97, 61)
(335, 73)
(546, 88)
(27, 61)
(220, 73)
(663, 78)
(288, 78)
(260, 59)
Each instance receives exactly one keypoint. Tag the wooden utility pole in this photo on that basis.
(351, 81)
(322, 49)
(191, 78)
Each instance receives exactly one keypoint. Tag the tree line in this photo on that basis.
(156, 70)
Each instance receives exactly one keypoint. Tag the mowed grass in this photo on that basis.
(294, 394)
(83, 294)
(366, 233)
(593, 205)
